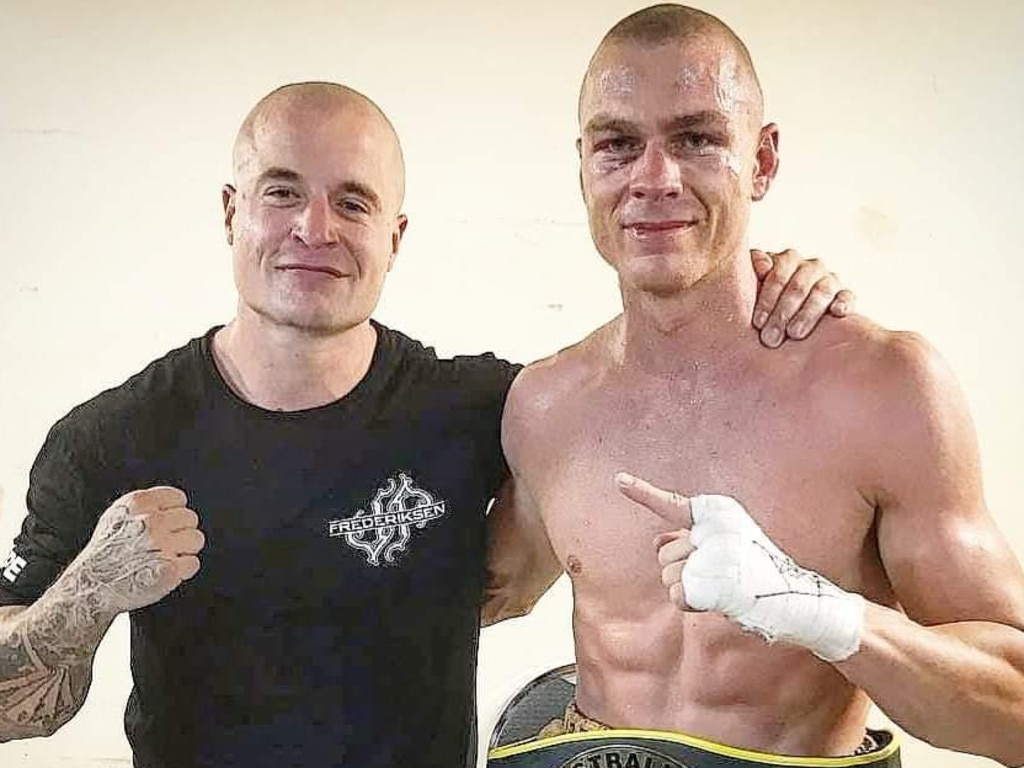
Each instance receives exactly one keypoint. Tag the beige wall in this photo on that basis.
(901, 166)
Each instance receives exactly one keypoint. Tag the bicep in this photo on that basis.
(521, 564)
(947, 565)
(944, 555)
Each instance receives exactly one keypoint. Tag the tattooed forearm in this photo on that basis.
(35, 700)
(47, 649)
(46, 654)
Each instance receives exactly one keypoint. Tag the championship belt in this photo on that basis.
(513, 743)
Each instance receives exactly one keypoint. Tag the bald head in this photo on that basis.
(679, 24)
(322, 102)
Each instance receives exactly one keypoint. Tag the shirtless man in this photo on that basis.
(853, 452)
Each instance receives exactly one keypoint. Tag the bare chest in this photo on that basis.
(771, 453)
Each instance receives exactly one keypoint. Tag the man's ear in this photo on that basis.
(767, 161)
(579, 152)
(227, 198)
(396, 238)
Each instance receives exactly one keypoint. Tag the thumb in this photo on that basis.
(668, 505)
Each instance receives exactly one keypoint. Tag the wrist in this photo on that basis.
(81, 598)
(842, 625)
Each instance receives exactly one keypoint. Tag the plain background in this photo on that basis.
(900, 135)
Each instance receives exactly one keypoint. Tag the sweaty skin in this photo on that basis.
(725, 413)
(853, 451)
(740, 427)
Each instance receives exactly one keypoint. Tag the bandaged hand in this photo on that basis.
(720, 560)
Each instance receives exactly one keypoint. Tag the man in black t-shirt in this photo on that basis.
(315, 598)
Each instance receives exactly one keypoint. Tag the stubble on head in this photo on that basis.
(676, 88)
(262, 124)
(737, 87)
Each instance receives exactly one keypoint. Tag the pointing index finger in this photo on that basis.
(670, 506)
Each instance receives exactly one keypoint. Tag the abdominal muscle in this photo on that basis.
(657, 668)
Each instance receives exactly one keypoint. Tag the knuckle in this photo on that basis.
(131, 500)
(801, 283)
(193, 543)
(187, 567)
(824, 288)
(144, 495)
(786, 307)
(788, 260)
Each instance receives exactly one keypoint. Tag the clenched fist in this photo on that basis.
(145, 544)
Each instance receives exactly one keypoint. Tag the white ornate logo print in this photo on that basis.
(386, 528)
(11, 567)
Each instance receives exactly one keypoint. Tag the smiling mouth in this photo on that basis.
(657, 227)
(325, 270)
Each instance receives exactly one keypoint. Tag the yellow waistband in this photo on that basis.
(766, 758)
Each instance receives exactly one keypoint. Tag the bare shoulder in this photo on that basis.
(544, 387)
(546, 384)
(878, 368)
(890, 400)
(913, 451)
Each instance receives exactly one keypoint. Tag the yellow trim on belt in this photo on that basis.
(709, 746)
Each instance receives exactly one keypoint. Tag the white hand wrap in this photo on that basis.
(738, 571)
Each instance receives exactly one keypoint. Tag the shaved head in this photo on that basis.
(321, 98)
(671, 23)
(672, 148)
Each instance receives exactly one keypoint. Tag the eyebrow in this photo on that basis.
(275, 173)
(603, 123)
(705, 117)
(364, 191)
(278, 174)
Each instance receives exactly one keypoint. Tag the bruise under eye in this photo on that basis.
(616, 144)
(700, 141)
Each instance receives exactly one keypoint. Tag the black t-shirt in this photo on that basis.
(334, 621)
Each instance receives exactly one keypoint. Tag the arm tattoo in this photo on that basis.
(47, 649)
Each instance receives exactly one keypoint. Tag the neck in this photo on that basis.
(700, 326)
(282, 368)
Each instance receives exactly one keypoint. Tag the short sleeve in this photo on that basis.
(63, 504)
(491, 379)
